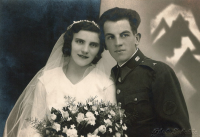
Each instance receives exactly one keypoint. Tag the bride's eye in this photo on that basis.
(94, 44)
(79, 41)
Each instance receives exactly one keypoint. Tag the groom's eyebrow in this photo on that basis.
(108, 34)
(126, 31)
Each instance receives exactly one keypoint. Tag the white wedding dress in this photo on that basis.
(48, 89)
(57, 86)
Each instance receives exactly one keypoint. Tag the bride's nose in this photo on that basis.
(85, 49)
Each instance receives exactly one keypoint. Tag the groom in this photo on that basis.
(148, 90)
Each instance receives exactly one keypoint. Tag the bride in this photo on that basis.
(73, 69)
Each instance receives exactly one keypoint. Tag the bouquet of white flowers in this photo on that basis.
(92, 119)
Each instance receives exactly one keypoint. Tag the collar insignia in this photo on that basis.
(137, 58)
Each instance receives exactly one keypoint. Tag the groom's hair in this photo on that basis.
(116, 14)
(76, 27)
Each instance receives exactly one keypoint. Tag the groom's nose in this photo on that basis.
(118, 41)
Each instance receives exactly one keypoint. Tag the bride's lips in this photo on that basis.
(83, 56)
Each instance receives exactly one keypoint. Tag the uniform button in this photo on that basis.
(120, 79)
(135, 99)
(118, 91)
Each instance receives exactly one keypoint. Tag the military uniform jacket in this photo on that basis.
(151, 95)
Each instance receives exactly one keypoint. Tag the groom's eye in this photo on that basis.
(110, 37)
(124, 35)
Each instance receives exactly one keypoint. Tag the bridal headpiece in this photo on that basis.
(75, 22)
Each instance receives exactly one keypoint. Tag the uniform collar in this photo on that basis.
(131, 64)
(128, 59)
(135, 60)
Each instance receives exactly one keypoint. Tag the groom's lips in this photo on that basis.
(120, 50)
(83, 56)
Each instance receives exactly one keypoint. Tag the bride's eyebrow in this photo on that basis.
(79, 39)
(96, 43)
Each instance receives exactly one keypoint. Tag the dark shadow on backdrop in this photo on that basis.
(165, 45)
(28, 32)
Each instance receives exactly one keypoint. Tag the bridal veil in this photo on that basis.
(32, 101)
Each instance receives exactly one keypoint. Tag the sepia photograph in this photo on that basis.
(99, 68)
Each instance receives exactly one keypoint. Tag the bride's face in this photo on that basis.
(85, 46)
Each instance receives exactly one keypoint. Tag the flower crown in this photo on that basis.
(75, 22)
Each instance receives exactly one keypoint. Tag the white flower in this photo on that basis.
(110, 129)
(94, 108)
(65, 114)
(124, 127)
(105, 108)
(74, 109)
(91, 135)
(70, 108)
(90, 103)
(72, 126)
(102, 109)
(53, 116)
(56, 127)
(96, 113)
(92, 122)
(125, 135)
(85, 108)
(71, 133)
(108, 122)
(65, 129)
(80, 117)
(117, 134)
(75, 103)
(102, 129)
(69, 118)
(112, 113)
(90, 116)
(109, 116)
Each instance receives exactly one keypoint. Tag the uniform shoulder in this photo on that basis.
(155, 65)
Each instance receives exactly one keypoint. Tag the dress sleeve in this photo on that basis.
(30, 104)
(170, 106)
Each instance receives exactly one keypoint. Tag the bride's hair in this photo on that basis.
(75, 28)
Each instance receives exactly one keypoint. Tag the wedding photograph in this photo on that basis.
(99, 68)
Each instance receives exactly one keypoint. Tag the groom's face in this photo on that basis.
(120, 40)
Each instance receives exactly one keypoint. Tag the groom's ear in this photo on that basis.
(102, 40)
(138, 37)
